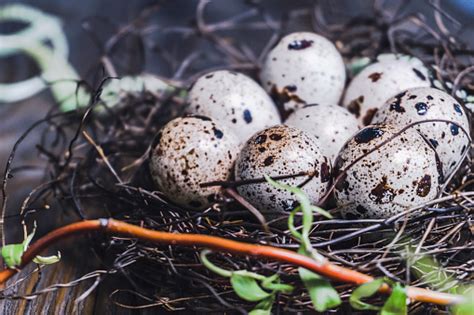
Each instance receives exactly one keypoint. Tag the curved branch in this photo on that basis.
(326, 268)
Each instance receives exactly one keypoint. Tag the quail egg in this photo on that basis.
(378, 82)
(189, 151)
(332, 125)
(401, 174)
(416, 105)
(278, 151)
(304, 68)
(234, 99)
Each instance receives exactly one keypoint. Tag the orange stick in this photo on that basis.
(326, 269)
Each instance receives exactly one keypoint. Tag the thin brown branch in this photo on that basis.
(326, 268)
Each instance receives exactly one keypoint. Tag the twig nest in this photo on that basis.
(417, 105)
(189, 151)
(304, 68)
(331, 125)
(378, 82)
(402, 173)
(234, 99)
(279, 151)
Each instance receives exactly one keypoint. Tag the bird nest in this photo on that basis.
(98, 167)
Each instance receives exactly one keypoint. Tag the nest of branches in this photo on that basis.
(98, 166)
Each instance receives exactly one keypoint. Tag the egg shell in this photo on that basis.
(304, 68)
(234, 99)
(331, 125)
(276, 151)
(419, 104)
(378, 82)
(401, 174)
(189, 151)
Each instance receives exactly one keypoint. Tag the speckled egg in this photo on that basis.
(304, 68)
(378, 82)
(401, 174)
(332, 126)
(278, 151)
(416, 105)
(189, 151)
(234, 99)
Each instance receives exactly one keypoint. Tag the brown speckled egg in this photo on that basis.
(189, 151)
(276, 151)
(233, 99)
(401, 174)
(416, 105)
(332, 126)
(304, 68)
(378, 82)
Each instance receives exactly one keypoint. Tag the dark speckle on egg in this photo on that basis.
(300, 44)
(419, 74)
(454, 129)
(382, 193)
(367, 134)
(458, 109)
(268, 161)
(218, 133)
(276, 136)
(291, 88)
(247, 116)
(434, 143)
(260, 139)
(290, 204)
(375, 76)
(421, 108)
(424, 186)
(395, 105)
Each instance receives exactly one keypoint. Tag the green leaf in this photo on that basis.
(467, 307)
(247, 288)
(49, 260)
(273, 283)
(12, 253)
(264, 307)
(397, 302)
(322, 294)
(363, 291)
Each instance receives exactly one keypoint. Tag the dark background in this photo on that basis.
(104, 18)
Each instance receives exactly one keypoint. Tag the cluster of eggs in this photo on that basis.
(387, 148)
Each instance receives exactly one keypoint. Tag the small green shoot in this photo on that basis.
(247, 288)
(250, 286)
(364, 291)
(323, 295)
(397, 301)
(13, 253)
